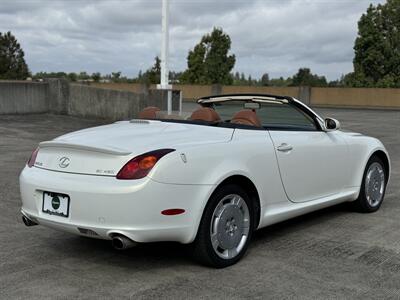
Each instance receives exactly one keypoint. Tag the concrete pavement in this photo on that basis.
(333, 253)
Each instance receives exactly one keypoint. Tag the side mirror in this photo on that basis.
(331, 124)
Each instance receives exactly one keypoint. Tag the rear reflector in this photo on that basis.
(172, 211)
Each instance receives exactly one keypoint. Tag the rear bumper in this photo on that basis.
(102, 206)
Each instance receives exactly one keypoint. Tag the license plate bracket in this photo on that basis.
(56, 204)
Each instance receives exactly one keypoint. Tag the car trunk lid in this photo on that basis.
(104, 150)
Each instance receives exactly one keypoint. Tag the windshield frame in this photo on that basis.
(209, 101)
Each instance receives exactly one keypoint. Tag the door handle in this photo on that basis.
(284, 147)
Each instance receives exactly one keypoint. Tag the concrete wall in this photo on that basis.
(131, 87)
(194, 92)
(61, 97)
(322, 97)
(89, 101)
(86, 101)
(287, 91)
(355, 97)
(58, 92)
(22, 97)
(123, 101)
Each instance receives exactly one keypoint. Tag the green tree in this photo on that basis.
(43, 75)
(154, 73)
(12, 61)
(338, 82)
(250, 80)
(72, 76)
(377, 47)
(209, 61)
(265, 79)
(83, 76)
(174, 77)
(115, 76)
(96, 76)
(280, 81)
(304, 77)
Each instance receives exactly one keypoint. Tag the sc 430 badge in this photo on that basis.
(105, 172)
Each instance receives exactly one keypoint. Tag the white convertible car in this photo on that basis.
(238, 163)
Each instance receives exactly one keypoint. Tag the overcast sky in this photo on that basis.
(273, 36)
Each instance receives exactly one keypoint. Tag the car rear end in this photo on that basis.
(106, 192)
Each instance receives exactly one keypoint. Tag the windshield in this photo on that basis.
(271, 114)
(264, 114)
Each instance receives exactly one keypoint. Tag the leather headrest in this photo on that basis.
(205, 114)
(149, 113)
(246, 117)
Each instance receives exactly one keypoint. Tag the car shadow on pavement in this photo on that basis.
(302, 224)
(149, 255)
(169, 254)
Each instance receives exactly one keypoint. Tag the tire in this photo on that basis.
(226, 227)
(373, 187)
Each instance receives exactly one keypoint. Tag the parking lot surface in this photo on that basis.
(333, 253)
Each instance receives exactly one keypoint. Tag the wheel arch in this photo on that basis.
(385, 159)
(250, 188)
(380, 153)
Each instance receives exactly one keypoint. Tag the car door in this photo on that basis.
(312, 162)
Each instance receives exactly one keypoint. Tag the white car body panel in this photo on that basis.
(109, 206)
(104, 150)
(317, 167)
(322, 169)
(361, 148)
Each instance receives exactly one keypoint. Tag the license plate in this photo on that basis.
(55, 204)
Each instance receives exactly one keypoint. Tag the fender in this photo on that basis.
(359, 155)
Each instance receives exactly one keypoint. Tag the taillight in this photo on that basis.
(32, 159)
(141, 165)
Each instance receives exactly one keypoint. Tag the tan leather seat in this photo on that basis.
(205, 114)
(246, 117)
(149, 113)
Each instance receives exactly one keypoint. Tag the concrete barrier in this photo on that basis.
(23, 97)
(61, 97)
(356, 97)
(86, 101)
(193, 92)
(58, 93)
(89, 101)
(139, 88)
(122, 101)
(287, 91)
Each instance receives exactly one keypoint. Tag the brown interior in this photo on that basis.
(246, 117)
(205, 114)
(149, 113)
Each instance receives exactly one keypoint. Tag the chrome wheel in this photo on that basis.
(230, 226)
(375, 184)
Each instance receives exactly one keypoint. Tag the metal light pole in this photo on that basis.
(164, 82)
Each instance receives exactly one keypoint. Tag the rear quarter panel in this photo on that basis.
(250, 153)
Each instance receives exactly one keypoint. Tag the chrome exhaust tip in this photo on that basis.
(28, 222)
(120, 242)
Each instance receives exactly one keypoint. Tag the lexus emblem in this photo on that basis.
(63, 162)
